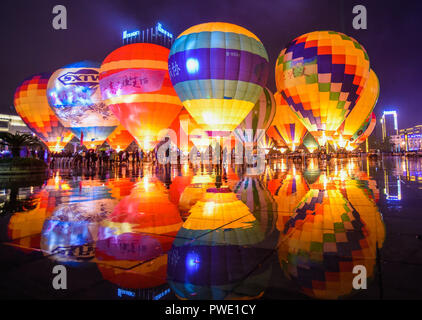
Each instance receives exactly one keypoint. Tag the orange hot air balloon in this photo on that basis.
(120, 138)
(367, 129)
(32, 106)
(363, 108)
(287, 124)
(135, 83)
(273, 133)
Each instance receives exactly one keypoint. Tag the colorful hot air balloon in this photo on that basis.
(74, 95)
(362, 110)
(321, 75)
(119, 139)
(367, 129)
(287, 124)
(32, 106)
(218, 70)
(135, 84)
(273, 133)
(258, 120)
(310, 143)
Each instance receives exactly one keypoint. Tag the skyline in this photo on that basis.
(95, 29)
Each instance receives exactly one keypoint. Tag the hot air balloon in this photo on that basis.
(366, 130)
(220, 261)
(119, 139)
(266, 143)
(258, 120)
(362, 110)
(218, 71)
(310, 143)
(321, 75)
(74, 95)
(135, 84)
(287, 124)
(274, 134)
(32, 106)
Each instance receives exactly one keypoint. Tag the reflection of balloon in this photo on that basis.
(74, 95)
(135, 84)
(192, 193)
(363, 108)
(310, 143)
(323, 241)
(218, 264)
(321, 75)
(253, 127)
(120, 138)
(287, 124)
(218, 71)
(259, 200)
(32, 106)
(178, 185)
(141, 228)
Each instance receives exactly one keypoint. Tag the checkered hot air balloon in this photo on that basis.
(258, 120)
(321, 75)
(73, 93)
(32, 106)
(136, 86)
(362, 110)
(218, 70)
(215, 252)
(287, 124)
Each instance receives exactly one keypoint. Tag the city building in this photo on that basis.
(12, 124)
(409, 139)
(156, 34)
(389, 124)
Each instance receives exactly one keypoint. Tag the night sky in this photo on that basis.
(393, 41)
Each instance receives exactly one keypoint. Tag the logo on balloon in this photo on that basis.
(83, 77)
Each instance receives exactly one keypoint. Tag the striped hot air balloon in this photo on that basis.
(135, 84)
(74, 95)
(218, 70)
(258, 120)
(32, 106)
(321, 75)
(287, 124)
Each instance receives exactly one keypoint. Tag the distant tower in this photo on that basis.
(389, 124)
(157, 35)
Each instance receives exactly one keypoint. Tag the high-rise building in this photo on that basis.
(389, 124)
(156, 34)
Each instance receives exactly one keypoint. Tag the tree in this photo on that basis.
(18, 140)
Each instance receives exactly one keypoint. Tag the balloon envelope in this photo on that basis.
(218, 70)
(321, 75)
(135, 84)
(73, 93)
(32, 106)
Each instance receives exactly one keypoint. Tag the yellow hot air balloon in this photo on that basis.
(360, 112)
(321, 75)
(287, 124)
(218, 71)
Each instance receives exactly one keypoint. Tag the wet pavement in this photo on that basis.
(192, 232)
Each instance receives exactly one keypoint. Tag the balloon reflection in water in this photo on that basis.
(195, 191)
(141, 228)
(218, 264)
(326, 237)
(252, 192)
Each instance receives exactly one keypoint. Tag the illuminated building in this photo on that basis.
(389, 124)
(156, 34)
(12, 124)
(409, 139)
